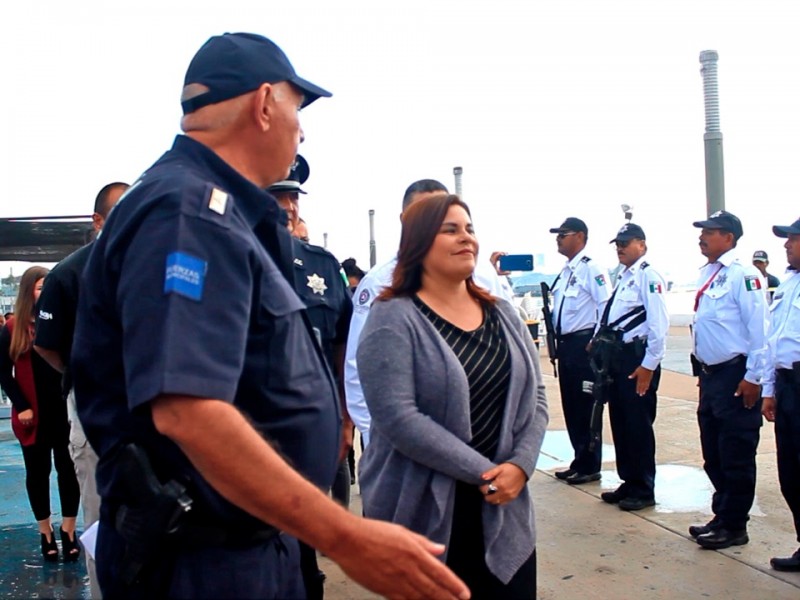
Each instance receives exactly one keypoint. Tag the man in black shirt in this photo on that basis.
(55, 328)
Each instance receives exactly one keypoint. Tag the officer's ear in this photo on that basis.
(263, 100)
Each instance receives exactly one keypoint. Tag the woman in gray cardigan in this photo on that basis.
(453, 384)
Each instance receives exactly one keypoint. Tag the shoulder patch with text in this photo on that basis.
(363, 297)
(185, 275)
(752, 282)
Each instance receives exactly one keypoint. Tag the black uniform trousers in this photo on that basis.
(632, 417)
(787, 439)
(573, 370)
(729, 435)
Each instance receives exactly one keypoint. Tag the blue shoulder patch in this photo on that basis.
(185, 275)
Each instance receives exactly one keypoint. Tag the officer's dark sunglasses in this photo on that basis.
(623, 243)
(561, 236)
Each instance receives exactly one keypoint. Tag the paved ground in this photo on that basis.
(586, 549)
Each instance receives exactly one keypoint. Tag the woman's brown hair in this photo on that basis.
(421, 223)
(22, 336)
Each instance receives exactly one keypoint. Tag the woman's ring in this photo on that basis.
(492, 489)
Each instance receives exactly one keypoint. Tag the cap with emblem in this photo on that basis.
(233, 64)
(722, 220)
(784, 231)
(298, 174)
(629, 231)
(760, 256)
(571, 225)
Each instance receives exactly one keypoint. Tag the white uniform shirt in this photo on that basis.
(731, 317)
(580, 295)
(370, 286)
(641, 285)
(783, 345)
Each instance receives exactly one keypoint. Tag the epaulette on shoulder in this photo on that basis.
(645, 264)
(586, 259)
(320, 250)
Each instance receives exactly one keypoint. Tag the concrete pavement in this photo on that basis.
(586, 548)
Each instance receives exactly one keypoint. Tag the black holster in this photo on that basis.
(152, 520)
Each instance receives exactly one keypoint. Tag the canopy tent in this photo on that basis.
(42, 239)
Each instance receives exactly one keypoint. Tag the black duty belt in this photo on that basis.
(575, 334)
(204, 535)
(709, 369)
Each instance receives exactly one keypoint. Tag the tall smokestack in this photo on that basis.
(712, 138)
(457, 173)
(372, 252)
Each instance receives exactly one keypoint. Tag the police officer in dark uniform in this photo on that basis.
(729, 355)
(781, 386)
(580, 293)
(637, 316)
(197, 376)
(322, 288)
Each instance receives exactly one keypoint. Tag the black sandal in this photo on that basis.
(49, 548)
(69, 547)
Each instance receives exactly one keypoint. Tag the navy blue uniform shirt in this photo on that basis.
(186, 292)
(319, 282)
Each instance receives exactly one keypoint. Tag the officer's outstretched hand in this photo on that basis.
(397, 563)
(750, 393)
(643, 378)
(768, 408)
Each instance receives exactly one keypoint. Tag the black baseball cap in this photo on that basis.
(233, 64)
(760, 256)
(298, 174)
(722, 220)
(571, 224)
(783, 231)
(629, 231)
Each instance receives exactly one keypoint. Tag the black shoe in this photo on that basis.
(695, 530)
(636, 503)
(791, 564)
(723, 538)
(49, 547)
(70, 547)
(613, 497)
(578, 478)
(565, 474)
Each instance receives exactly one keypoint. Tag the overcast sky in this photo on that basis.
(553, 109)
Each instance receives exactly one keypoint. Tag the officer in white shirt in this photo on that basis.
(781, 385)
(729, 334)
(373, 284)
(580, 293)
(637, 311)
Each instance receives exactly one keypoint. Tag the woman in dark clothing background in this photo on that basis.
(39, 420)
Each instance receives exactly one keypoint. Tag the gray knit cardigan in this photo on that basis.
(418, 396)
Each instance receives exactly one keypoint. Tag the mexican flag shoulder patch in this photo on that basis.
(656, 287)
(752, 282)
(600, 279)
